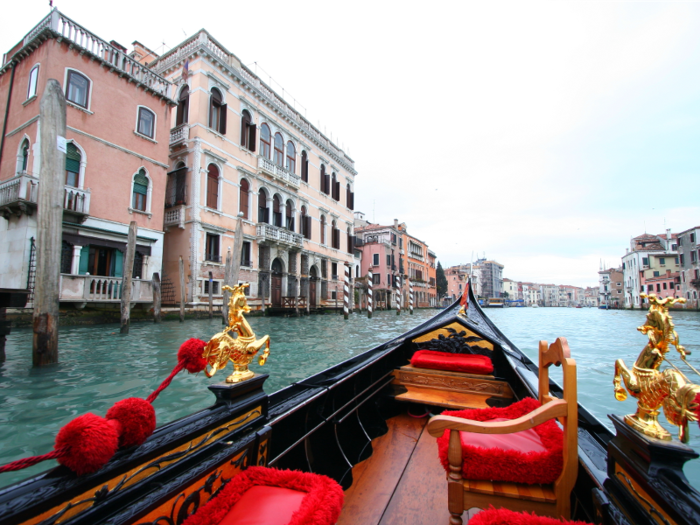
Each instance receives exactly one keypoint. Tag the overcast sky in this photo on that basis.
(542, 134)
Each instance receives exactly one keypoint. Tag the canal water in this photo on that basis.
(98, 366)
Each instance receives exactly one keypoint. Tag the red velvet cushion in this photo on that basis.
(508, 517)
(262, 505)
(497, 464)
(523, 441)
(468, 363)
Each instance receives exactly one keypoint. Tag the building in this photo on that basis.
(118, 126)
(637, 260)
(432, 278)
(417, 268)
(240, 153)
(689, 265)
(491, 278)
(610, 288)
(511, 290)
(380, 254)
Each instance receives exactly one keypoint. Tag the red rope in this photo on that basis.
(165, 383)
(31, 461)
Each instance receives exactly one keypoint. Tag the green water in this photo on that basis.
(98, 366)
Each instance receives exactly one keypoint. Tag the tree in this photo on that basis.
(441, 281)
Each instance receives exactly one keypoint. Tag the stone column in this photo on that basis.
(75, 262)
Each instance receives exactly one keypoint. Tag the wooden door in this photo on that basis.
(276, 283)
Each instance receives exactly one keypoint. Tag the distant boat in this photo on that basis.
(535, 305)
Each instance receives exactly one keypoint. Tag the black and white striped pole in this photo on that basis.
(370, 278)
(346, 293)
(410, 296)
(398, 295)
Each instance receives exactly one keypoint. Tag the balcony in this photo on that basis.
(20, 194)
(76, 202)
(179, 134)
(269, 233)
(99, 289)
(174, 217)
(278, 172)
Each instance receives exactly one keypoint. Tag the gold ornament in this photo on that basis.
(653, 388)
(240, 350)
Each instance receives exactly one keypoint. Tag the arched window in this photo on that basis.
(176, 188)
(291, 157)
(247, 131)
(146, 122)
(263, 210)
(276, 211)
(217, 112)
(279, 150)
(213, 187)
(78, 89)
(265, 141)
(244, 196)
(305, 223)
(335, 235)
(289, 217)
(73, 159)
(323, 229)
(349, 198)
(350, 243)
(140, 192)
(335, 187)
(183, 106)
(304, 166)
(325, 180)
(23, 157)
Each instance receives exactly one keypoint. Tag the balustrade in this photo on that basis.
(76, 200)
(175, 217)
(179, 134)
(22, 187)
(267, 232)
(278, 172)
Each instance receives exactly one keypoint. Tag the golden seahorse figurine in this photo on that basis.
(652, 387)
(240, 350)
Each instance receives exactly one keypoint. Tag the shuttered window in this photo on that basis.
(279, 150)
(73, 159)
(140, 190)
(213, 187)
(265, 141)
(217, 112)
(244, 196)
(291, 157)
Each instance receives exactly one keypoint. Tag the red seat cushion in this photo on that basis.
(263, 505)
(308, 499)
(522, 461)
(494, 516)
(524, 441)
(468, 363)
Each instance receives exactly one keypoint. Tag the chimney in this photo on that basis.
(668, 234)
(396, 223)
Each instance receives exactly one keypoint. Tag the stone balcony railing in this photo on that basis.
(269, 233)
(179, 134)
(278, 172)
(174, 217)
(76, 200)
(99, 289)
(22, 187)
(20, 194)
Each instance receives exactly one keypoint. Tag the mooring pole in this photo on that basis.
(211, 296)
(156, 297)
(182, 290)
(370, 279)
(52, 118)
(410, 297)
(346, 293)
(227, 280)
(398, 295)
(126, 279)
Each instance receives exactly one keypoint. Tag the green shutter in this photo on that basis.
(118, 264)
(141, 183)
(84, 256)
(72, 158)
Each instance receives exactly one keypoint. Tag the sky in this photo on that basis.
(542, 135)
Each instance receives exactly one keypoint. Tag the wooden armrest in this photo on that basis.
(553, 409)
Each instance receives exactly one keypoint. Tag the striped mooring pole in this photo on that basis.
(410, 296)
(346, 293)
(370, 278)
(398, 295)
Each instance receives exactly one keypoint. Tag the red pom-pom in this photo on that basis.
(137, 419)
(87, 443)
(697, 407)
(190, 355)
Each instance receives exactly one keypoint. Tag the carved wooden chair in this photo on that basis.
(488, 488)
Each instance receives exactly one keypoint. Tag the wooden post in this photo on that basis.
(227, 281)
(182, 290)
(156, 298)
(263, 280)
(126, 280)
(52, 115)
(211, 296)
(233, 264)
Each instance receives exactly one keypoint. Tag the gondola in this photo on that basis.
(331, 423)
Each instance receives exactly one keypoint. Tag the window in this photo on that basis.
(323, 229)
(245, 254)
(263, 210)
(137, 270)
(336, 235)
(247, 131)
(214, 287)
(376, 278)
(662, 260)
(217, 112)
(388, 260)
(73, 159)
(325, 180)
(304, 166)
(23, 157)
(692, 237)
(140, 193)
(276, 212)
(146, 122)
(656, 274)
(375, 259)
(658, 287)
(78, 89)
(645, 261)
(305, 223)
(213, 187)
(350, 241)
(349, 198)
(334, 271)
(335, 187)
(291, 157)
(693, 256)
(664, 286)
(265, 141)
(244, 196)
(289, 218)
(183, 106)
(676, 260)
(212, 248)
(682, 259)
(279, 150)
(32, 83)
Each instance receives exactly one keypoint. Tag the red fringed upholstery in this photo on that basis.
(468, 363)
(508, 517)
(496, 464)
(321, 504)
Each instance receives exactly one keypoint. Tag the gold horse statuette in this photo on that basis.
(652, 387)
(240, 350)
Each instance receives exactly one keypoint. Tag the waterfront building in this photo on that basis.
(689, 265)
(511, 290)
(380, 247)
(550, 294)
(491, 278)
(417, 268)
(591, 295)
(432, 277)
(637, 260)
(457, 279)
(118, 126)
(239, 152)
(610, 288)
